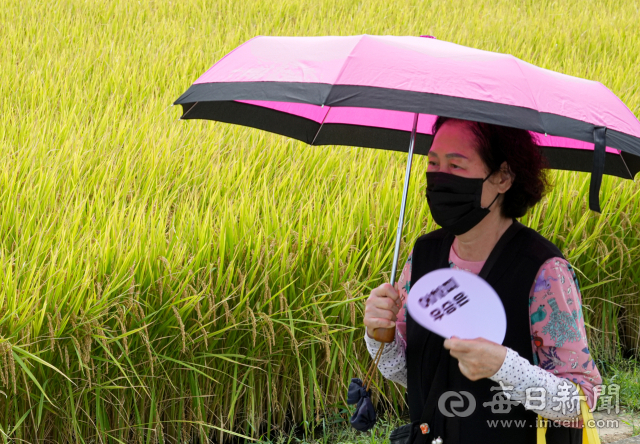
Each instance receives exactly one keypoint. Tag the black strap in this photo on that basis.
(441, 376)
(599, 151)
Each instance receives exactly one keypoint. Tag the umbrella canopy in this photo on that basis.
(365, 90)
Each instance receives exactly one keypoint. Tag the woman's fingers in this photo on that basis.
(373, 312)
(382, 298)
(458, 345)
(388, 291)
(374, 323)
(393, 294)
(385, 304)
(458, 354)
(381, 307)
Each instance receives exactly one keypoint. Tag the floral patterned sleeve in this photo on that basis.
(558, 334)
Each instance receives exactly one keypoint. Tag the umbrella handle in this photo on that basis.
(385, 335)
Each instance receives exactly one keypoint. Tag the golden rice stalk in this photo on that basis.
(132, 282)
(186, 429)
(349, 296)
(66, 357)
(274, 397)
(229, 318)
(159, 430)
(254, 327)
(86, 349)
(340, 364)
(11, 365)
(145, 339)
(181, 324)
(78, 348)
(90, 375)
(342, 269)
(4, 370)
(602, 249)
(200, 320)
(242, 279)
(317, 397)
(165, 261)
(327, 337)
(294, 342)
(121, 317)
(543, 212)
(291, 260)
(267, 294)
(284, 306)
(271, 335)
(52, 335)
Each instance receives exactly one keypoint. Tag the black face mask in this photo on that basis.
(455, 201)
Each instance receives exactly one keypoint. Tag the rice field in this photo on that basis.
(162, 281)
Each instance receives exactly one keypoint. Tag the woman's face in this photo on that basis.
(454, 152)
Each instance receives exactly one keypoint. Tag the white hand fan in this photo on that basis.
(452, 302)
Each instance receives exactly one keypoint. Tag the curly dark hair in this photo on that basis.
(496, 144)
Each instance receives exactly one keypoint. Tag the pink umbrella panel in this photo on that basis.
(365, 91)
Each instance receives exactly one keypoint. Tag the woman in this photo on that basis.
(479, 179)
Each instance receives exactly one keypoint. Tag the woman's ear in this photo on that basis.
(506, 177)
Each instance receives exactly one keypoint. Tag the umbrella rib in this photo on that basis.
(321, 124)
(344, 66)
(626, 166)
(194, 105)
(516, 60)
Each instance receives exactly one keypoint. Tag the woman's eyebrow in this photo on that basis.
(449, 156)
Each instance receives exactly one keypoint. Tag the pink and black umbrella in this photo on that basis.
(386, 92)
(366, 91)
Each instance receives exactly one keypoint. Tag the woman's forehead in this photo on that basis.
(454, 139)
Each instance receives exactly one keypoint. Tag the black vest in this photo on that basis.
(431, 370)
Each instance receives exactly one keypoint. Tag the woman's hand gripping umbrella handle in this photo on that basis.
(385, 335)
(381, 309)
(380, 313)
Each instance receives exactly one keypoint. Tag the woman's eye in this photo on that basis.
(431, 162)
(454, 166)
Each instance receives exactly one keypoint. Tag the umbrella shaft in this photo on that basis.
(404, 199)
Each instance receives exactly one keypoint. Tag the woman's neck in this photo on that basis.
(477, 243)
